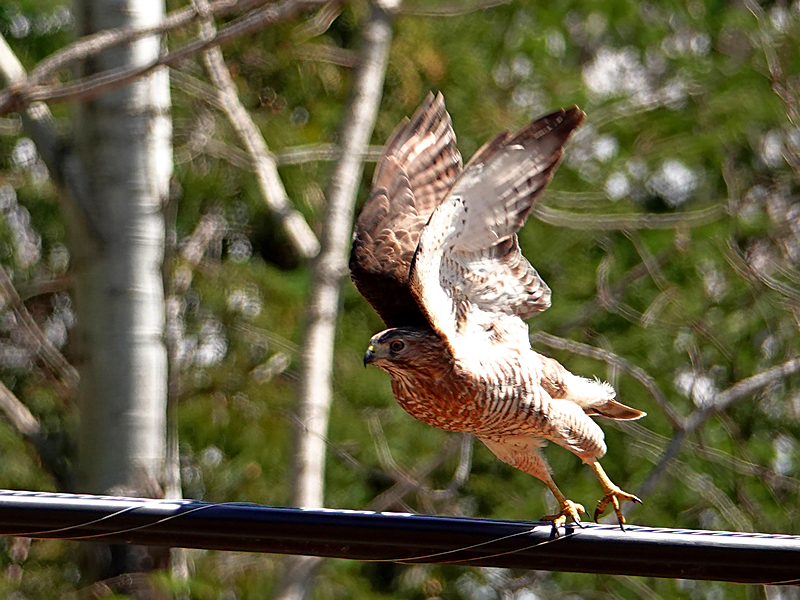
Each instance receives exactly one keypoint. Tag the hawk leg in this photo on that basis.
(569, 509)
(613, 494)
(523, 453)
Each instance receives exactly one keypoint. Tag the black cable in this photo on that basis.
(369, 536)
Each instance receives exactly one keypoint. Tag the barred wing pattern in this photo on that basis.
(469, 275)
(417, 168)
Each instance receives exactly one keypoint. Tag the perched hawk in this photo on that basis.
(435, 252)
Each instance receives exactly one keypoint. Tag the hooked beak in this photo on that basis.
(369, 356)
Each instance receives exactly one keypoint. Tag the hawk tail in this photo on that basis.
(616, 410)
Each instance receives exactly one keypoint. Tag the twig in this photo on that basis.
(741, 266)
(464, 464)
(29, 428)
(90, 86)
(615, 291)
(210, 228)
(704, 486)
(327, 54)
(695, 218)
(54, 360)
(617, 361)
(63, 165)
(448, 9)
(721, 402)
(38, 287)
(297, 231)
(288, 156)
(409, 482)
(320, 23)
(656, 444)
(656, 274)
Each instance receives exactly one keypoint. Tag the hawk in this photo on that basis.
(435, 252)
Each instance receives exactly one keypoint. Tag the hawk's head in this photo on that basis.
(403, 350)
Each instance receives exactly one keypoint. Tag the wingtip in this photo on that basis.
(575, 115)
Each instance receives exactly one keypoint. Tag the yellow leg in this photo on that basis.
(523, 453)
(568, 507)
(612, 494)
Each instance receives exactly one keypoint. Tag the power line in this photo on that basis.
(405, 538)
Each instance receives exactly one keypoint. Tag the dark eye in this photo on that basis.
(396, 346)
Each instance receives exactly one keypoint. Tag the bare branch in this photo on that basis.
(297, 231)
(409, 481)
(656, 443)
(321, 22)
(327, 54)
(617, 361)
(52, 358)
(741, 266)
(721, 402)
(606, 222)
(784, 90)
(37, 287)
(288, 156)
(612, 293)
(322, 152)
(210, 228)
(449, 9)
(28, 427)
(63, 165)
(96, 43)
(565, 199)
(656, 274)
(18, 414)
(704, 486)
(314, 391)
(22, 95)
(614, 304)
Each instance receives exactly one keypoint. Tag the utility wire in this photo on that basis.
(405, 538)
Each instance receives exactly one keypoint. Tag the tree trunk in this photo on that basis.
(124, 140)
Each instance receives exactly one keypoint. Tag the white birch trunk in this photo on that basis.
(124, 139)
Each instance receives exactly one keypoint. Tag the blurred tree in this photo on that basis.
(123, 139)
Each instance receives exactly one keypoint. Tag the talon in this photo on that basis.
(569, 509)
(613, 497)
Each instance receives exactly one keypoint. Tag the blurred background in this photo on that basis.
(670, 237)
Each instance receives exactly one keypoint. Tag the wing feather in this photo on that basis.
(469, 275)
(417, 168)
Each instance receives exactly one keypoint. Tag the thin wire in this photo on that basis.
(473, 546)
(145, 526)
(78, 526)
(105, 518)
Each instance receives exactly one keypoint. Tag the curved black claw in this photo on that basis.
(571, 510)
(613, 497)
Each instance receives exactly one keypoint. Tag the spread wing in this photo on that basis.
(418, 167)
(469, 276)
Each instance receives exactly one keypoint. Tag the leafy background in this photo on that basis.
(685, 115)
